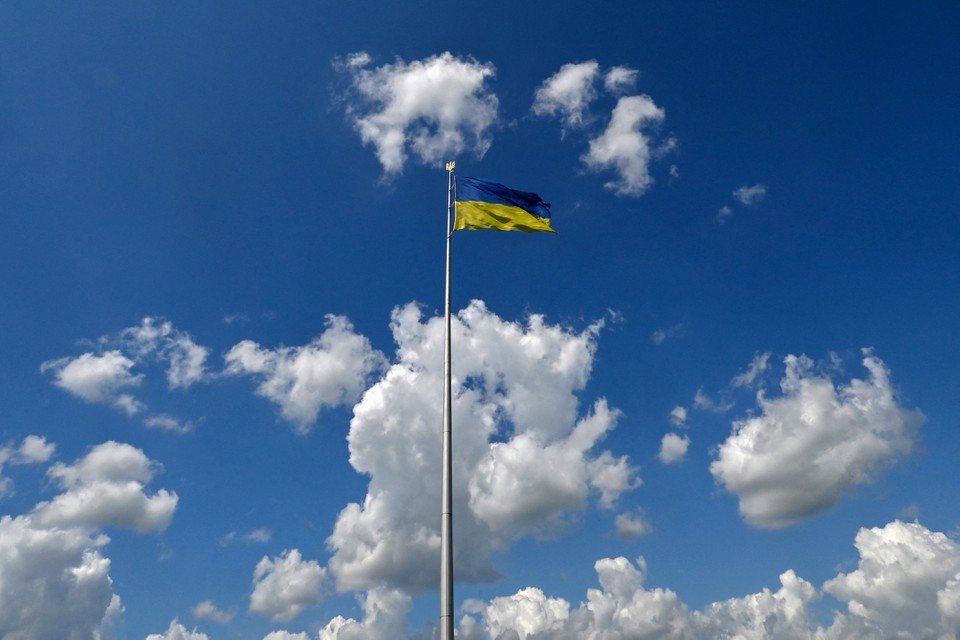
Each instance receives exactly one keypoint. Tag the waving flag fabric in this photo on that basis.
(488, 205)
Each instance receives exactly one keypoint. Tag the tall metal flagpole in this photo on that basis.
(446, 492)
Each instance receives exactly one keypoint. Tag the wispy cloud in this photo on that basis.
(750, 196)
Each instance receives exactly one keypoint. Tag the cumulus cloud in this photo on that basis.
(905, 586)
(625, 146)
(106, 488)
(678, 416)
(102, 377)
(207, 610)
(330, 371)
(285, 586)
(632, 526)
(622, 609)
(783, 614)
(673, 448)
(169, 423)
(905, 582)
(384, 612)
(54, 582)
(814, 443)
(750, 196)
(568, 93)
(177, 631)
(97, 378)
(435, 108)
(184, 358)
(286, 635)
(515, 407)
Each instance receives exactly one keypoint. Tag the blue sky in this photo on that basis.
(721, 401)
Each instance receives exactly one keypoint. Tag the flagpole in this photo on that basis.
(446, 492)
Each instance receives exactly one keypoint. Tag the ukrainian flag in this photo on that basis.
(488, 205)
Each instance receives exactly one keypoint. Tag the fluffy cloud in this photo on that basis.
(384, 612)
(750, 196)
(622, 609)
(54, 583)
(286, 635)
(330, 371)
(106, 488)
(782, 614)
(678, 416)
(625, 146)
(632, 526)
(568, 93)
(285, 586)
(177, 631)
(207, 610)
(905, 586)
(673, 448)
(515, 407)
(811, 445)
(100, 378)
(435, 108)
(157, 337)
(905, 583)
(97, 378)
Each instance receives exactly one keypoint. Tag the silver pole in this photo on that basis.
(446, 493)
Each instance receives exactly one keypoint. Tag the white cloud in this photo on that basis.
(184, 358)
(515, 406)
(757, 366)
(782, 614)
(527, 612)
(384, 612)
(330, 371)
(285, 586)
(673, 448)
(207, 610)
(624, 147)
(620, 79)
(813, 444)
(286, 635)
(724, 214)
(168, 423)
(904, 583)
(678, 416)
(568, 93)
(106, 488)
(632, 526)
(54, 583)
(435, 108)
(177, 631)
(907, 585)
(33, 449)
(96, 378)
(660, 336)
(101, 378)
(750, 196)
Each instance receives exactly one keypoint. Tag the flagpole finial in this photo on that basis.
(451, 165)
